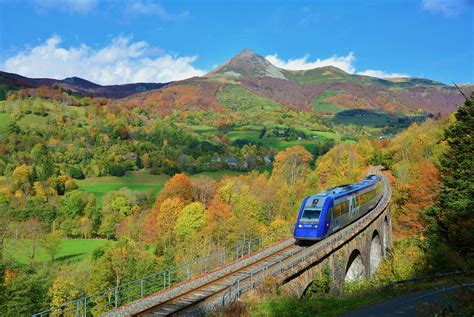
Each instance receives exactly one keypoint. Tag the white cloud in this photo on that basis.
(343, 62)
(381, 74)
(150, 8)
(74, 6)
(346, 63)
(445, 7)
(120, 62)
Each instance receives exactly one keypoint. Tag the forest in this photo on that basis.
(48, 148)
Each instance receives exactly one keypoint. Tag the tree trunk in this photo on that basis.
(2, 240)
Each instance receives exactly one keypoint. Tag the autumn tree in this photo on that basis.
(292, 164)
(124, 262)
(168, 215)
(69, 284)
(343, 164)
(203, 189)
(178, 186)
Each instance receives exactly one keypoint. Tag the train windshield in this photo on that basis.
(311, 214)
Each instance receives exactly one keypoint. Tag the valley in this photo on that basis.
(118, 182)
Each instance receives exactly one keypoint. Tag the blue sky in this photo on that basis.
(113, 42)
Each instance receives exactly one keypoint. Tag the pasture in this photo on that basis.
(71, 249)
(136, 180)
(280, 143)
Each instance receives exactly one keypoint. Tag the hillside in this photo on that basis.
(325, 90)
(9, 81)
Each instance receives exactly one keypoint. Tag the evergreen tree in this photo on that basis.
(452, 216)
(138, 161)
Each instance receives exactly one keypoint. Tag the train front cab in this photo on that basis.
(313, 219)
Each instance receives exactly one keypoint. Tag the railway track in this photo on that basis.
(180, 304)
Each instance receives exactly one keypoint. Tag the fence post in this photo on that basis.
(85, 307)
(164, 279)
(141, 289)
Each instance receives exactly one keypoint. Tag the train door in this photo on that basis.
(353, 207)
(330, 220)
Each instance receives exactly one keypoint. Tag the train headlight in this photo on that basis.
(300, 226)
(315, 226)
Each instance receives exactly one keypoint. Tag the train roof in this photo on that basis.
(343, 190)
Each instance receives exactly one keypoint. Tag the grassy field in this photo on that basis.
(136, 180)
(4, 122)
(280, 143)
(77, 249)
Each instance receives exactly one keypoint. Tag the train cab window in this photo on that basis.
(311, 214)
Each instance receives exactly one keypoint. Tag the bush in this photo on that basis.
(74, 171)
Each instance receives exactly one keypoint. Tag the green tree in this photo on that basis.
(190, 220)
(452, 216)
(25, 290)
(13, 128)
(51, 242)
(75, 171)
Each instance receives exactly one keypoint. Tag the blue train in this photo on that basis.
(333, 209)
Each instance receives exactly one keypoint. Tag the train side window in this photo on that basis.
(345, 207)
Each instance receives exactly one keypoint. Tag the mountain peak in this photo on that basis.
(247, 64)
(80, 82)
(247, 52)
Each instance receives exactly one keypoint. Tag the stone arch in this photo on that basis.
(376, 254)
(355, 269)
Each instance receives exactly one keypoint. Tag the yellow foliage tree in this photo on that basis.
(292, 164)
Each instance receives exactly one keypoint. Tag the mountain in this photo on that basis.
(247, 64)
(76, 85)
(324, 90)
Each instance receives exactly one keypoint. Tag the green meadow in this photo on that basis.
(280, 143)
(135, 180)
(71, 250)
